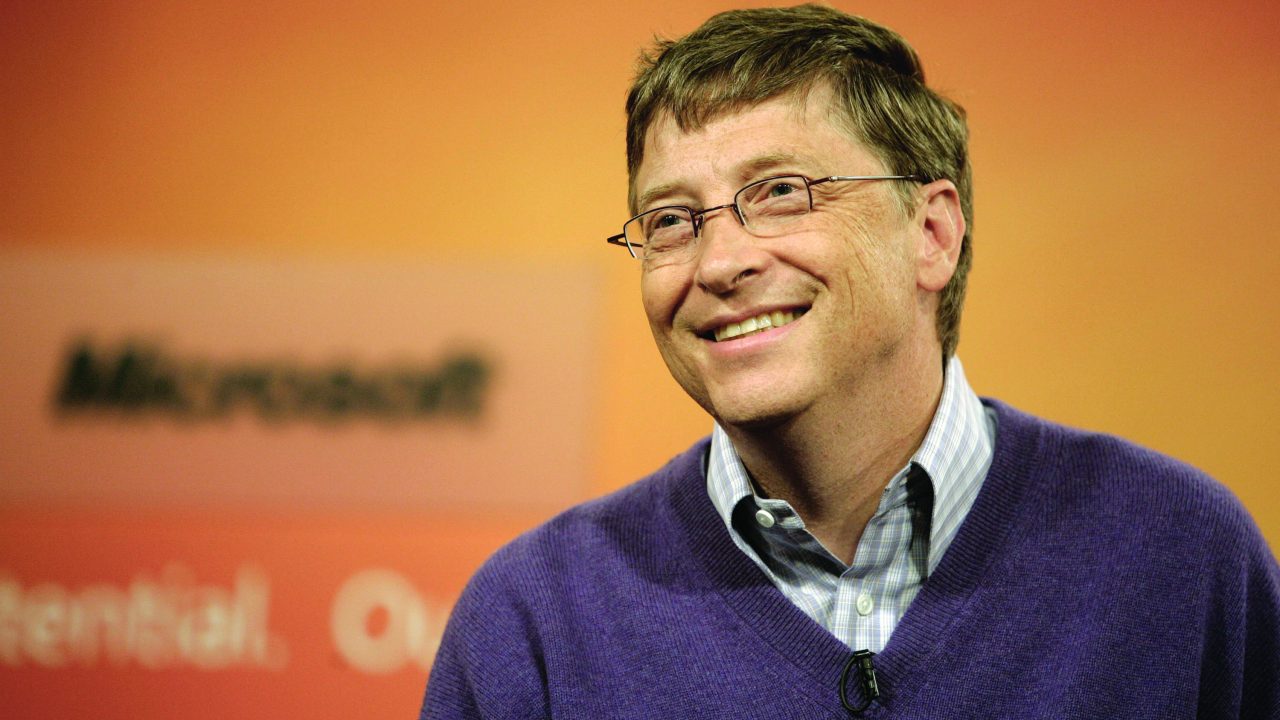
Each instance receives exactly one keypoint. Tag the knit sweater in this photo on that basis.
(1091, 579)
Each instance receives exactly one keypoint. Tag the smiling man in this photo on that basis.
(861, 534)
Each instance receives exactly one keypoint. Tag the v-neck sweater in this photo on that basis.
(1091, 578)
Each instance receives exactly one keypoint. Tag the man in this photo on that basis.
(861, 535)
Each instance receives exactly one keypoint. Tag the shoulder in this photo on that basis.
(1145, 546)
(586, 543)
(1115, 483)
(531, 601)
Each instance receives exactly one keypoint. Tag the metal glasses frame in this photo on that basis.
(697, 216)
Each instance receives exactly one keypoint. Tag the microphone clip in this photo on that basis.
(867, 679)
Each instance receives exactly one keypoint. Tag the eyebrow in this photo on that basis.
(767, 162)
(654, 193)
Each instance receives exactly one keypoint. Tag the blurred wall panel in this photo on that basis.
(153, 379)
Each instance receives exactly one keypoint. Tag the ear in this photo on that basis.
(941, 225)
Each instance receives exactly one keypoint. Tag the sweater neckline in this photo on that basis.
(794, 637)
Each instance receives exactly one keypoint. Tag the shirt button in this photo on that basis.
(765, 518)
(865, 604)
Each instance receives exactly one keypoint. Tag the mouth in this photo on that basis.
(754, 325)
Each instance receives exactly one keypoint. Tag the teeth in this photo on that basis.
(760, 323)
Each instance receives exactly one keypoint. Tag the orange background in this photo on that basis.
(1125, 258)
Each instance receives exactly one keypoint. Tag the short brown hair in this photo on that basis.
(740, 58)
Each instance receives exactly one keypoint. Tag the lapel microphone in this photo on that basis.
(866, 678)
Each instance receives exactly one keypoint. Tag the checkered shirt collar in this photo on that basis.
(959, 442)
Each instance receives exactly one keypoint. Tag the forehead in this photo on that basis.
(798, 132)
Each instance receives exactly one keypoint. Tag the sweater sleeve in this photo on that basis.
(1240, 669)
(488, 665)
(1261, 684)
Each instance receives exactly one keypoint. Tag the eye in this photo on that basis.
(665, 229)
(667, 220)
(781, 189)
(774, 200)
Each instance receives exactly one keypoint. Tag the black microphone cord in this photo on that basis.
(867, 678)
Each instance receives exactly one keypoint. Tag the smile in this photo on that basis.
(757, 324)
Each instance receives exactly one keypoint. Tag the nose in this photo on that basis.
(727, 254)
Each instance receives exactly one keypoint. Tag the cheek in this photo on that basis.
(867, 267)
(659, 295)
(875, 242)
(845, 255)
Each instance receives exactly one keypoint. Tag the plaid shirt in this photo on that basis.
(919, 513)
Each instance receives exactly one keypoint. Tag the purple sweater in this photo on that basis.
(1091, 579)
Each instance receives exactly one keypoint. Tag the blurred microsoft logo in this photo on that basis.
(140, 378)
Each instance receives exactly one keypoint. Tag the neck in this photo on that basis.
(832, 463)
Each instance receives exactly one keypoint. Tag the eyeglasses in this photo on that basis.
(668, 234)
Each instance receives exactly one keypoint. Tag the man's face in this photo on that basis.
(847, 271)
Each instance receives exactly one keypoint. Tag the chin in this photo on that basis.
(753, 413)
(757, 422)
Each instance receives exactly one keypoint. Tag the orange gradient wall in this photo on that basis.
(264, 181)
